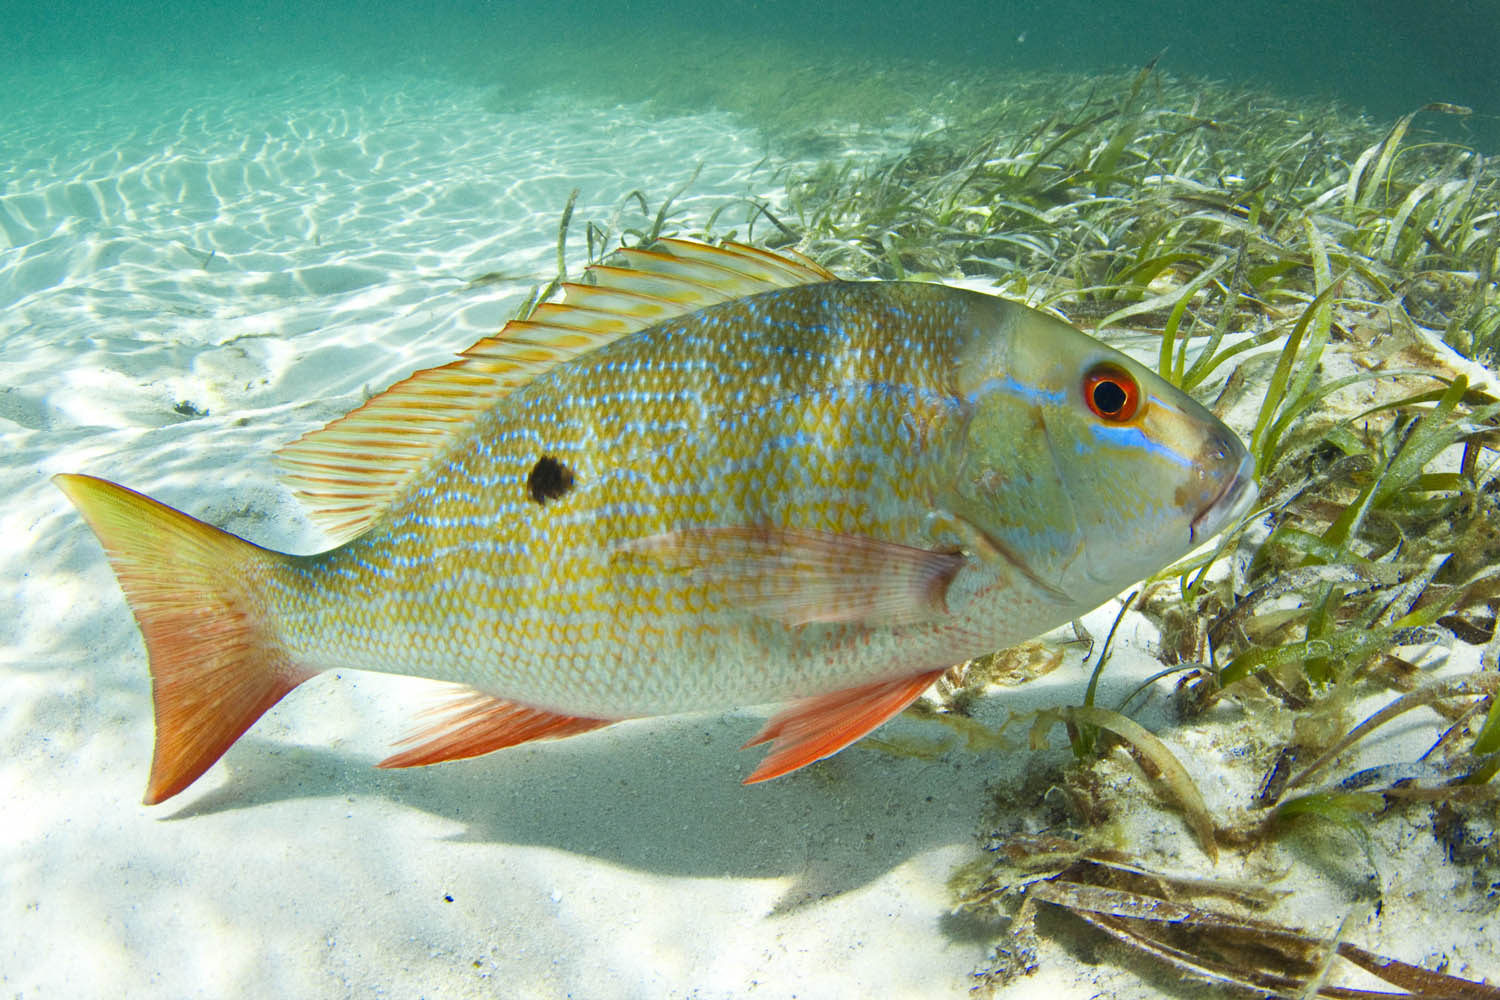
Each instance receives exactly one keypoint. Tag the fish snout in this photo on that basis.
(1224, 481)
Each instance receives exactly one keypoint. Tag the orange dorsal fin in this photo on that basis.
(820, 727)
(216, 662)
(348, 472)
(472, 723)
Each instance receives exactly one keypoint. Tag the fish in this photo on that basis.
(706, 477)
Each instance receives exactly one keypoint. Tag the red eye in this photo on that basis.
(1112, 393)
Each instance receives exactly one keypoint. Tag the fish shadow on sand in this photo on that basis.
(659, 796)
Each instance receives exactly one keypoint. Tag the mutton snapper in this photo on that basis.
(708, 477)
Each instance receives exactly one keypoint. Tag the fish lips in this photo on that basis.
(1225, 507)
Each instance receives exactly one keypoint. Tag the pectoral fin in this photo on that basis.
(820, 727)
(803, 577)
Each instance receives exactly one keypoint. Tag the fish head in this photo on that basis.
(1080, 466)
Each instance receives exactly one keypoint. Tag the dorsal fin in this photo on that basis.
(348, 472)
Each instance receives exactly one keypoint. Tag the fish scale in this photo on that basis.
(812, 442)
(709, 477)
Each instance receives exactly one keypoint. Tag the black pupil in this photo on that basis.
(1109, 397)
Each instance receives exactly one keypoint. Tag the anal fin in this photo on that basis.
(822, 726)
(473, 723)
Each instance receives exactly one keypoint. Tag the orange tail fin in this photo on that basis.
(216, 666)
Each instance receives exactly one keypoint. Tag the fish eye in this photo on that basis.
(1111, 393)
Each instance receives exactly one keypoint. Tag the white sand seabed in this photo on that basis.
(344, 223)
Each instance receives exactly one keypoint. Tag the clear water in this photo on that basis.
(1385, 57)
(258, 212)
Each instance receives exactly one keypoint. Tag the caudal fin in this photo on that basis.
(216, 665)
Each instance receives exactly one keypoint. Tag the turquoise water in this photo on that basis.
(1383, 57)
(223, 225)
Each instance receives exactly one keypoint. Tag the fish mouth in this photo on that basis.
(1225, 507)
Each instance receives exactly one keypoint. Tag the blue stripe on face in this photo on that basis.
(1123, 436)
(1029, 393)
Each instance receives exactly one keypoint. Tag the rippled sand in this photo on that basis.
(261, 250)
(263, 253)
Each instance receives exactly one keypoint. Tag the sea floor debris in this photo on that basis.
(1162, 918)
(1329, 284)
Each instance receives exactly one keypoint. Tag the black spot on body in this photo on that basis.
(549, 479)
